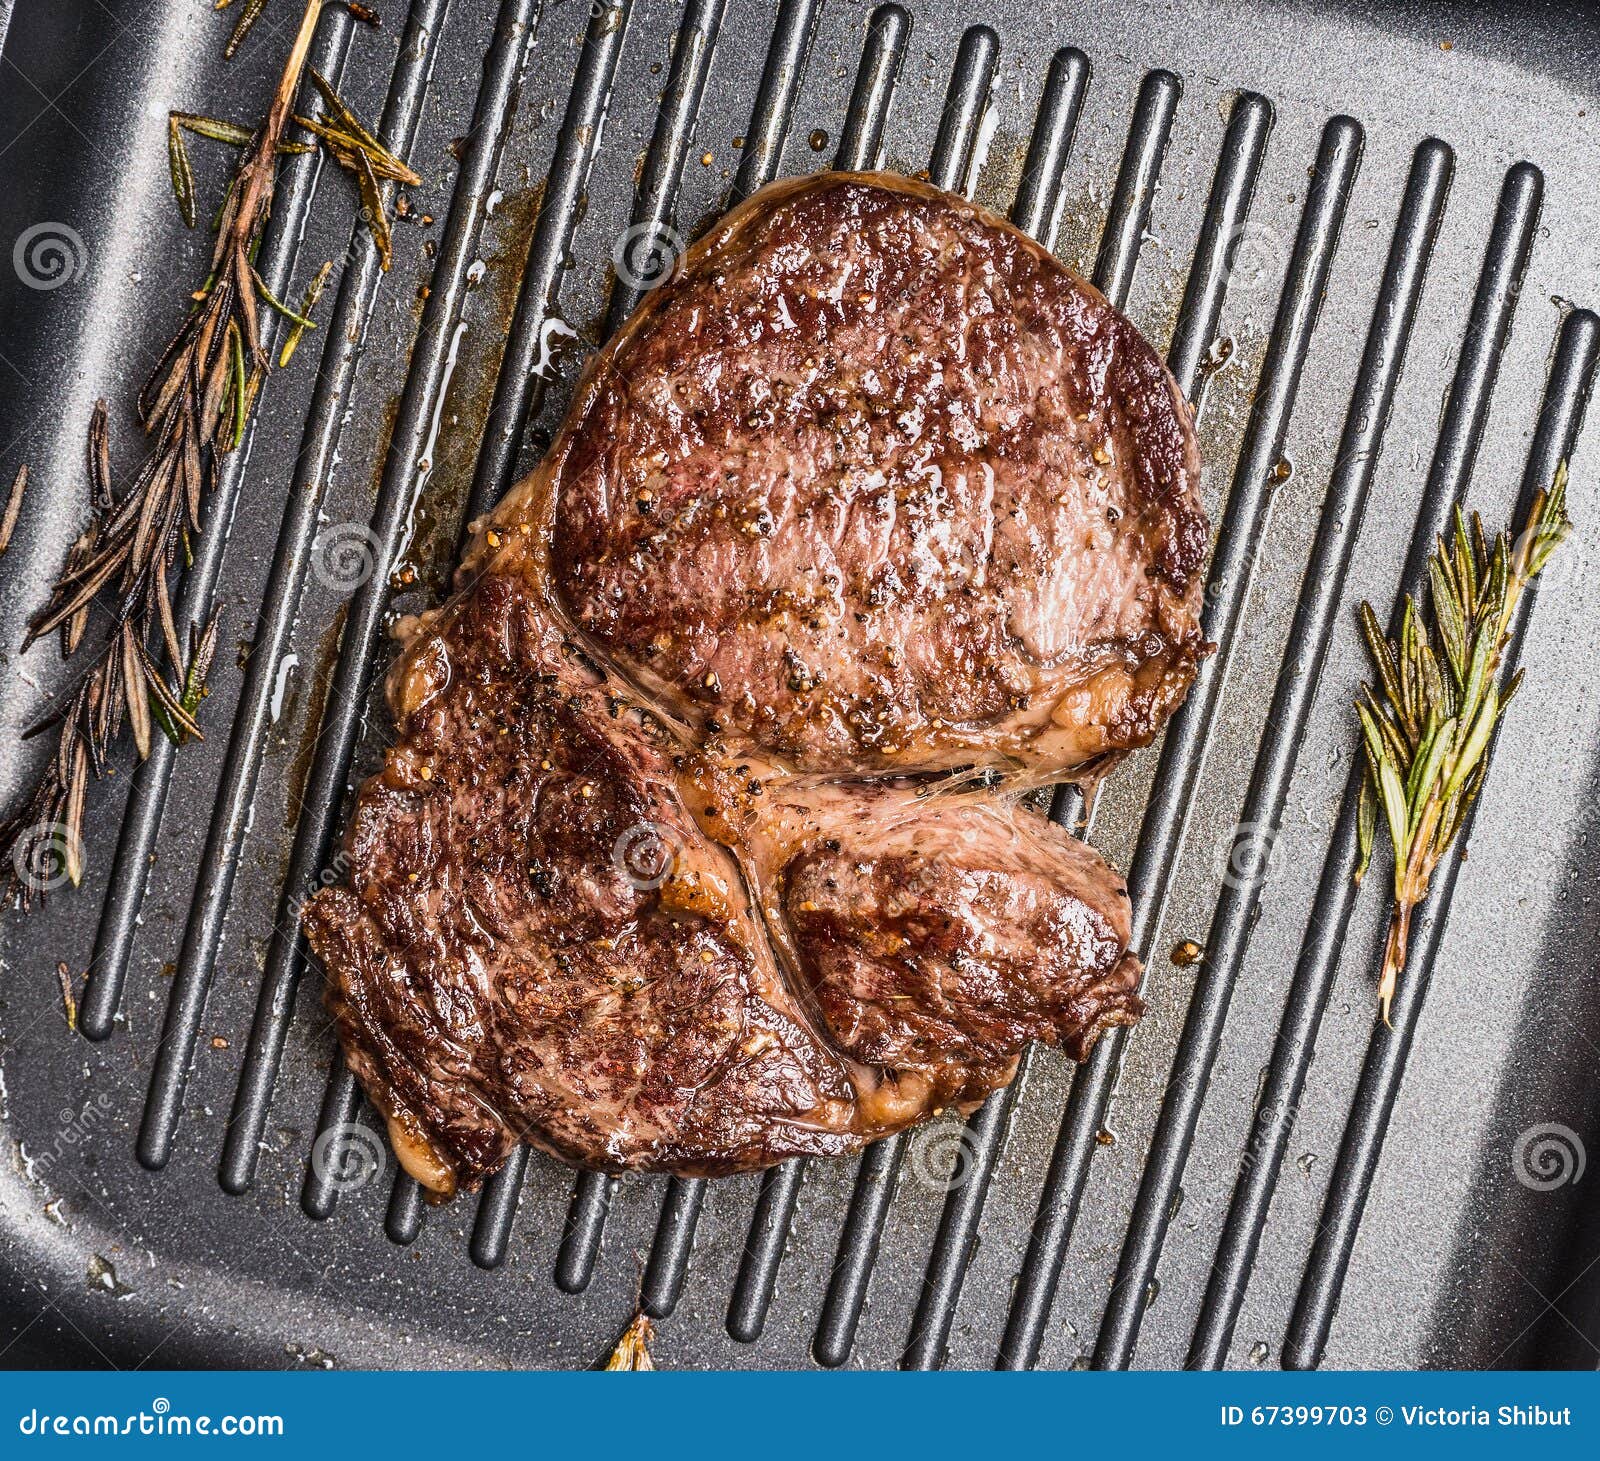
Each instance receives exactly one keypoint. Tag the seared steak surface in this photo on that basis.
(882, 485)
(654, 876)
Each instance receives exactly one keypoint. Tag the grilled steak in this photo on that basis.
(879, 485)
(657, 874)
(540, 941)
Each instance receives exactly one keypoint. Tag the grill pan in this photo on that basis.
(1364, 234)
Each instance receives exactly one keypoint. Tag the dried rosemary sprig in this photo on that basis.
(193, 408)
(1426, 730)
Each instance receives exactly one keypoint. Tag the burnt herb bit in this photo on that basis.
(1426, 729)
(193, 407)
(633, 1349)
(69, 1000)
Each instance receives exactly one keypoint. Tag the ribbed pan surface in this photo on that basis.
(1364, 238)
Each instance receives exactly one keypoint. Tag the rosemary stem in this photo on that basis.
(289, 83)
(1394, 953)
(261, 178)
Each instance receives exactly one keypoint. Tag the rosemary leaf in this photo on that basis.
(134, 691)
(384, 161)
(162, 693)
(1443, 568)
(213, 127)
(1390, 735)
(1473, 747)
(169, 629)
(373, 210)
(202, 647)
(1499, 574)
(165, 725)
(72, 812)
(1408, 641)
(8, 522)
(1480, 544)
(1377, 748)
(247, 19)
(69, 1001)
(1366, 825)
(219, 215)
(1382, 654)
(1512, 686)
(359, 151)
(1466, 559)
(347, 147)
(182, 174)
(299, 320)
(1436, 685)
(1550, 527)
(1447, 610)
(1484, 643)
(1393, 794)
(72, 628)
(100, 495)
(313, 294)
(1463, 805)
(237, 395)
(245, 316)
(82, 590)
(1425, 770)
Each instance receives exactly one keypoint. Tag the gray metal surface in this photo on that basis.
(1458, 1262)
